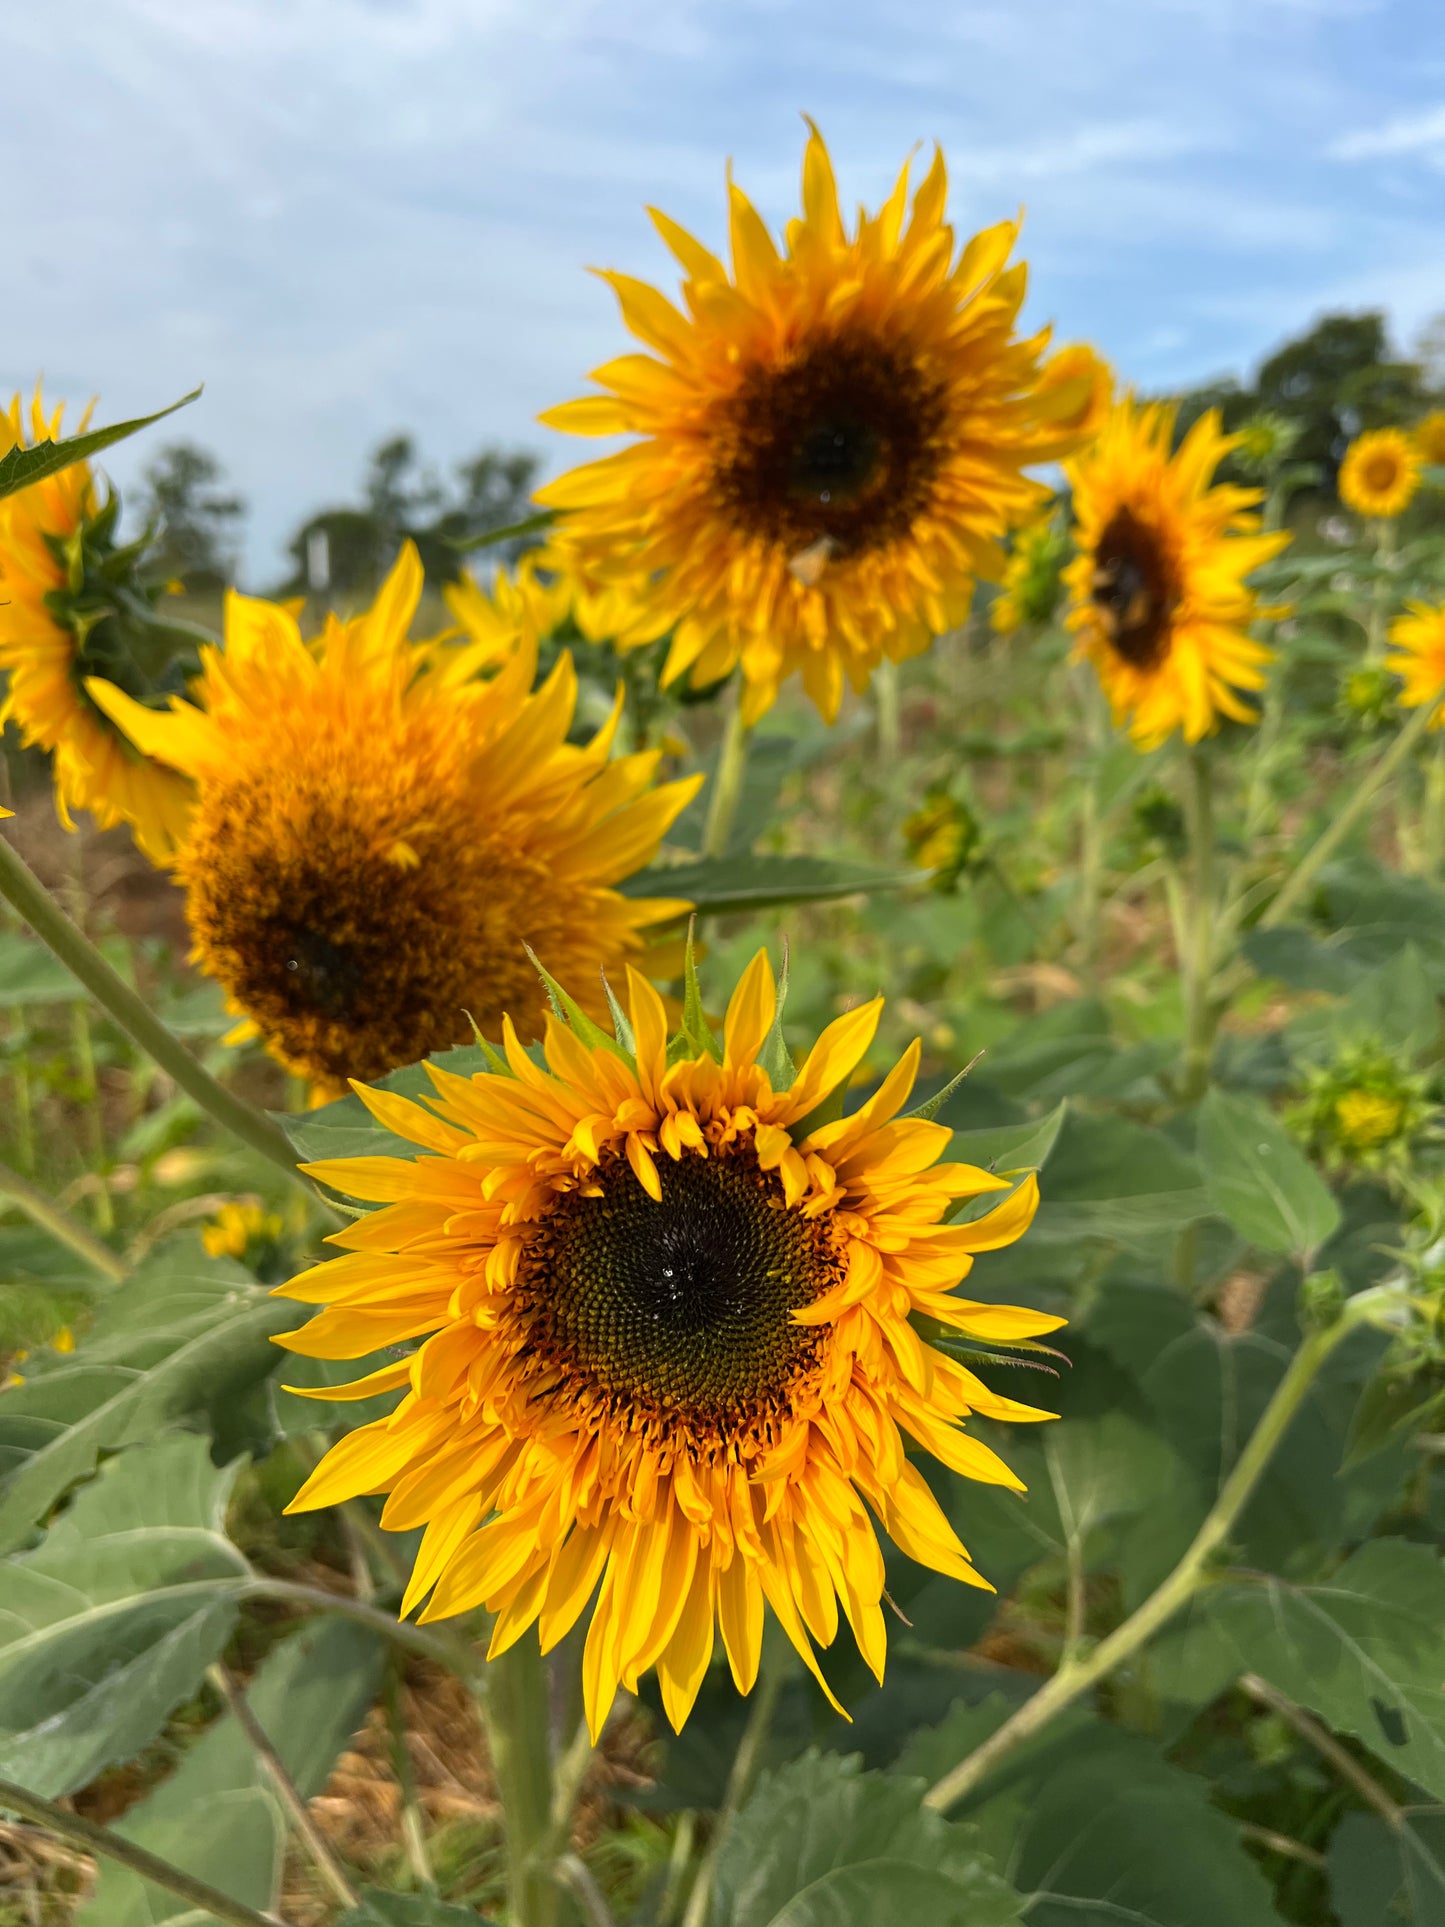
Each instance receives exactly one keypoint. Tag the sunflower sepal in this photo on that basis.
(775, 1057)
(696, 1037)
(621, 1022)
(928, 1110)
(569, 1012)
(491, 1056)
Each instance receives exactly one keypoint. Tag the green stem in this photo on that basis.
(1360, 798)
(456, 1656)
(49, 1216)
(744, 1769)
(1380, 591)
(413, 1826)
(889, 713)
(24, 890)
(727, 782)
(92, 1839)
(1077, 1676)
(1201, 1012)
(84, 1043)
(516, 1715)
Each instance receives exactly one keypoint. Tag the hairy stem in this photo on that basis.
(92, 1839)
(1076, 1677)
(49, 1216)
(727, 782)
(516, 1716)
(889, 713)
(452, 1653)
(24, 890)
(1201, 1012)
(1327, 1746)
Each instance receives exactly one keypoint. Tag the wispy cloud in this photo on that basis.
(1410, 135)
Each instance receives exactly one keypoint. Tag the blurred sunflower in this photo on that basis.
(1033, 577)
(1365, 1109)
(378, 836)
(667, 1354)
(1380, 474)
(1418, 640)
(66, 592)
(834, 439)
(1429, 436)
(1159, 597)
(548, 593)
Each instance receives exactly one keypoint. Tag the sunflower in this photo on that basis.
(1160, 602)
(1033, 577)
(548, 593)
(52, 635)
(1429, 436)
(670, 1349)
(378, 836)
(833, 439)
(1418, 639)
(1380, 474)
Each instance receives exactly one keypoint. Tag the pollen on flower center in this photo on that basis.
(1132, 591)
(681, 1306)
(840, 440)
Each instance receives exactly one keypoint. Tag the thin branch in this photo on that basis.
(286, 1788)
(1327, 1746)
(48, 1215)
(96, 1840)
(453, 1653)
(574, 1874)
(413, 1830)
(1283, 1843)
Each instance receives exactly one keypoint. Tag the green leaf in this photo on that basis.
(1117, 1181)
(22, 467)
(1097, 1829)
(1007, 1147)
(346, 1129)
(185, 1337)
(218, 1816)
(1379, 1873)
(1260, 1180)
(823, 1844)
(489, 538)
(32, 976)
(723, 886)
(111, 1622)
(1361, 1649)
(1395, 1005)
(380, 1909)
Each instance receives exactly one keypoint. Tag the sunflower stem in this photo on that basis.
(1077, 1675)
(1380, 590)
(727, 782)
(516, 1716)
(1196, 961)
(43, 1211)
(1361, 797)
(102, 1843)
(27, 894)
(889, 714)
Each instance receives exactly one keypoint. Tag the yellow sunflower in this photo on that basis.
(834, 439)
(50, 639)
(378, 835)
(1380, 474)
(669, 1351)
(549, 592)
(1429, 437)
(1032, 578)
(1158, 586)
(1418, 639)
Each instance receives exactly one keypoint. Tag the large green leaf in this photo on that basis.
(217, 1816)
(187, 1336)
(1010, 1147)
(1386, 1876)
(1097, 1829)
(1362, 1649)
(21, 467)
(822, 1844)
(346, 1129)
(1260, 1180)
(1117, 1181)
(380, 1909)
(111, 1622)
(721, 886)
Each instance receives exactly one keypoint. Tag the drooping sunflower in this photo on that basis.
(833, 439)
(1429, 436)
(669, 1340)
(1380, 474)
(378, 836)
(1418, 641)
(1160, 601)
(55, 631)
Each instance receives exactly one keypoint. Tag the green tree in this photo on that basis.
(197, 520)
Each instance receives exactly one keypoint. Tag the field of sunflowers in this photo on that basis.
(741, 1224)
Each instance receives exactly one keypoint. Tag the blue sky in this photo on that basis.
(352, 216)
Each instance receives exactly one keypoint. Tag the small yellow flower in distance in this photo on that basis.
(1365, 1119)
(1430, 438)
(1417, 643)
(833, 439)
(48, 647)
(1160, 600)
(1380, 474)
(378, 835)
(667, 1347)
(236, 1228)
(1033, 577)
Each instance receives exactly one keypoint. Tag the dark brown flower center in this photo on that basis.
(1382, 472)
(840, 441)
(1134, 592)
(680, 1307)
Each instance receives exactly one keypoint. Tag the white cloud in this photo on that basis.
(1409, 136)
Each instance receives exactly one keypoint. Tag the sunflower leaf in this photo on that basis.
(721, 886)
(23, 467)
(931, 1106)
(513, 532)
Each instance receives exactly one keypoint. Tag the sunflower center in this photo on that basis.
(682, 1306)
(1134, 592)
(327, 977)
(1380, 472)
(841, 440)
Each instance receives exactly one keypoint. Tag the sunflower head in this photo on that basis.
(1417, 645)
(1033, 579)
(1364, 1109)
(672, 1320)
(832, 439)
(945, 836)
(1429, 435)
(75, 603)
(1159, 596)
(1380, 474)
(1367, 696)
(378, 835)
(250, 1234)
(1264, 441)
